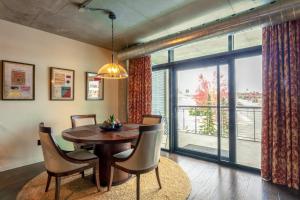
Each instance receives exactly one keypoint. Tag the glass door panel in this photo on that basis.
(160, 101)
(197, 124)
(248, 110)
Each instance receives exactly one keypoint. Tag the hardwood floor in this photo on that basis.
(210, 181)
(12, 181)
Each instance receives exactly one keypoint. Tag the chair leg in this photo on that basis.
(48, 183)
(82, 174)
(138, 187)
(97, 177)
(157, 177)
(94, 175)
(111, 176)
(57, 187)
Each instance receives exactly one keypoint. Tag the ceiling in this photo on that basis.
(137, 20)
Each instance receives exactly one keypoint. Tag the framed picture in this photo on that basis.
(61, 84)
(94, 87)
(18, 81)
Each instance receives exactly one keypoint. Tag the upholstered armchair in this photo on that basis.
(83, 120)
(143, 158)
(59, 164)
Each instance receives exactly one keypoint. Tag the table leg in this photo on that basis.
(105, 152)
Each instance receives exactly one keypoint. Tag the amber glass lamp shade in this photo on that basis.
(112, 71)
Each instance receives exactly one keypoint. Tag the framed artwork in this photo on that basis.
(61, 84)
(94, 87)
(18, 81)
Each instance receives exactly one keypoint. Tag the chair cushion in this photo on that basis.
(82, 155)
(78, 146)
(123, 154)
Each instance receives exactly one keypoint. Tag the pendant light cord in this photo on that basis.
(112, 16)
(105, 72)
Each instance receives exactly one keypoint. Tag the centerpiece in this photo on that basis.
(111, 124)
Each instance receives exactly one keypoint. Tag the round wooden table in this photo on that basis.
(107, 143)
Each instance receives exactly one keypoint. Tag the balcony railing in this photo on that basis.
(203, 120)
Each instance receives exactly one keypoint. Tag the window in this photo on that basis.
(248, 38)
(160, 101)
(159, 57)
(201, 48)
(244, 39)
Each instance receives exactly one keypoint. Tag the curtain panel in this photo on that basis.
(281, 104)
(139, 88)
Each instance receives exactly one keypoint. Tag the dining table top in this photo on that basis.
(93, 134)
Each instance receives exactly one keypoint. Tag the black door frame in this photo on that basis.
(212, 63)
(220, 58)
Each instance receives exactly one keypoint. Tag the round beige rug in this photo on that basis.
(175, 186)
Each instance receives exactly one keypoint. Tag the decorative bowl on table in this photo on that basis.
(111, 124)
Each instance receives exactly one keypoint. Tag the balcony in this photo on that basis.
(197, 131)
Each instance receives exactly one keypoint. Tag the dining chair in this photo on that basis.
(83, 120)
(148, 120)
(143, 158)
(151, 119)
(59, 164)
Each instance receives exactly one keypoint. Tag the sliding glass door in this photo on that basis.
(218, 110)
(211, 106)
(248, 93)
(202, 110)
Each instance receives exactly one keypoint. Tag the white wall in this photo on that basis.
(19, 119)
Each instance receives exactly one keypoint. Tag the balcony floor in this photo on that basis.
(248, 152)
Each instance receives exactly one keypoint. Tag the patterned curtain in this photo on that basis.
(139, 88)
(281, 104)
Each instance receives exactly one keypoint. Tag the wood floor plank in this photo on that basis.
(209, 181)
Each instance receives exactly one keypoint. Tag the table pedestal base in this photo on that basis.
(105, 153)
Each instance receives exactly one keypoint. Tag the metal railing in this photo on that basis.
(203, 120)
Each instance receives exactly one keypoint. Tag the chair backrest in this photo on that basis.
(55, 160)
(147, 152)
(151, 119)
(83, 120)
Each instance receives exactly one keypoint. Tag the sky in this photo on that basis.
(248, 75)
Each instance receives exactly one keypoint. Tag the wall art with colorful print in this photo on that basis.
(17, 81)
(61, 84)
(94, 87)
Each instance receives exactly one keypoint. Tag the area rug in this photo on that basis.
(175, 186)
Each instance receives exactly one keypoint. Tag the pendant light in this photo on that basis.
(112, 70)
